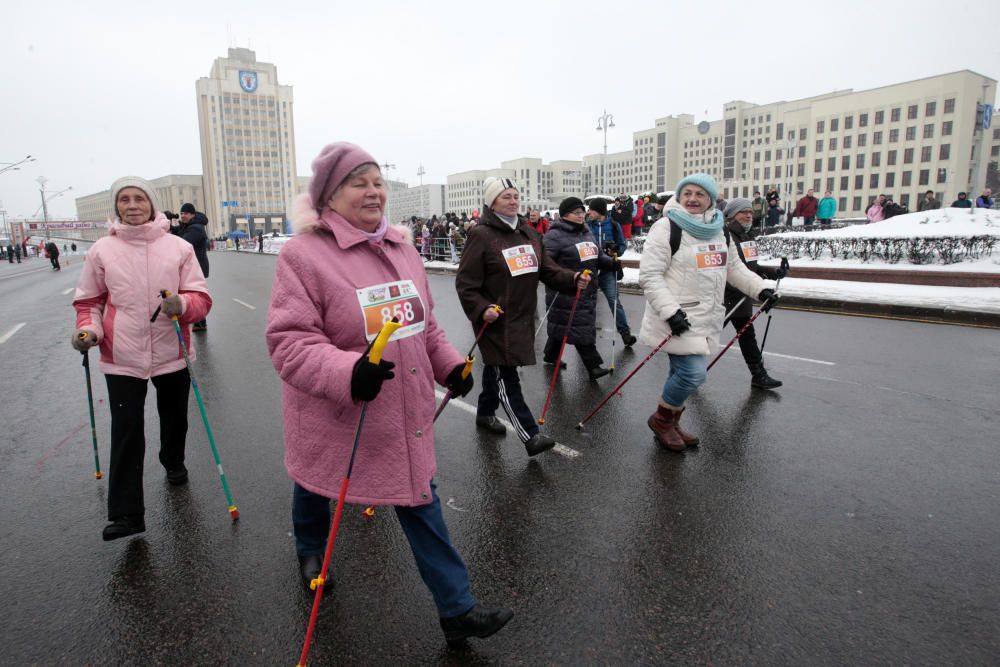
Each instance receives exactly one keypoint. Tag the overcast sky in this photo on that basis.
(97, 93)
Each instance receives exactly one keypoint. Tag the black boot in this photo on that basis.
(597, 372)
(628, 339)
(177, 476)
(760, 378)
(123, 527)
(477, 622)
(539, 443)
(552, 362)
(309, 568)
(491, 424)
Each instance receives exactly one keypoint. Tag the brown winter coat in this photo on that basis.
(484, 279)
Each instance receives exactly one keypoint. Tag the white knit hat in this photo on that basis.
(493, 186)
(132, 182)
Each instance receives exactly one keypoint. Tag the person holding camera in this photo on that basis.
(611, 241)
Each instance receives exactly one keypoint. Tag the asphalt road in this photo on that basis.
(848, 518)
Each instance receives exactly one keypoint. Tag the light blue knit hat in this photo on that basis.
(703, 181)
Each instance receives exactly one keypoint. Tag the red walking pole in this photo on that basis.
(629, 377)
(374, 357)
(469, 360)
(555, 373)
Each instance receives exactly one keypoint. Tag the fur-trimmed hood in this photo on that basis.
(306, 219)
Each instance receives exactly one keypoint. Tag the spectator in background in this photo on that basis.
(963, 201)
(774, 211)
(891, 209)
(758, 207)
(806, 207)
(10, 254)
(609, 239)
(537, 222)
(192, 230)
(874, 212)
(772, 195)
(985, 200)
(929, 203)
(827, 209)
(720, 203)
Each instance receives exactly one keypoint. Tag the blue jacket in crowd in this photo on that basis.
(608, 230)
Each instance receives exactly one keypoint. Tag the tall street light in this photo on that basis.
(46, 199)
(388, 187)
(14, 166)
(605, 121)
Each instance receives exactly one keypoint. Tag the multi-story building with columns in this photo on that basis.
(542, 186)
(172, 192)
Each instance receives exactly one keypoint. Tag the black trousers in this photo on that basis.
(127, 396)
(502, 386)
(55, 262)
(588, 353)
(748, 341)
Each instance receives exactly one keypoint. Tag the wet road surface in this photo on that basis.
(849, 517)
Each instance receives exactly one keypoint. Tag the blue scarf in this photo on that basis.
(703, 227)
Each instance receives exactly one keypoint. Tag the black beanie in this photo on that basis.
(598, 205)
(569, 205)
(188, 208)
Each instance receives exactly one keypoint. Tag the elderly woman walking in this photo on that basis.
(115, 298)
(501, 266)
(570, 243)
(344, 274)
(687, 261)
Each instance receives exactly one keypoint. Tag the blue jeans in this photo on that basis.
(687, 373)
(440, 565)
(608, 282)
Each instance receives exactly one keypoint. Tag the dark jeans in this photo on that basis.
(808, 219)
(55, 262)
(608, 282)
(127, 397)
(824, 221)
(748, 341)
(502, 386)
(441, 567)
(588, 353)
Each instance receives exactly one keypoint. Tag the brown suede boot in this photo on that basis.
(663, 424)
(690, 439)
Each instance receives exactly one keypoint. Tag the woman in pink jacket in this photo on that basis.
(343, 275)
(118, 292)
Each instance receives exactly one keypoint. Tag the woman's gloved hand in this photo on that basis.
(83, 340)
(367, 378)
(458, 385)
(769, 298)
(678, 322)
(172, 305)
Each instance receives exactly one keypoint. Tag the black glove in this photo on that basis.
(458, 385)
(367, 378)
(769, 298)
(619, 270)
(783, 268)
(678, 322)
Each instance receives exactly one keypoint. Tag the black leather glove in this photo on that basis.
(782, 268)
(769, 298)
(678, 322)
(367, 378)
(619, 270)
(458, 385)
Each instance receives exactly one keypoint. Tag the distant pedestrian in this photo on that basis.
(610, 240)
(929, 202)
(73, 247)
(874, 212)
(806, 207)
(758, 208)
(52, 250)
(827, 209)
(260, 242)
(985, 200)
(17, 252)
(193, 230)
(774, 212)
(963, 201)
(10, 254)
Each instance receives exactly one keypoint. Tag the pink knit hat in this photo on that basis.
(331, 167)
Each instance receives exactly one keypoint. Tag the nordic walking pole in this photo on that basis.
(542, 323)
(738, 334)
(629, 377)
(562, 348)
(90, 403)
(729, 315)
(469, 360)
(233, 511)
(614, 312)
(374, 357)
(784, 269)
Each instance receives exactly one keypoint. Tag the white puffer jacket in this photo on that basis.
(695, 281)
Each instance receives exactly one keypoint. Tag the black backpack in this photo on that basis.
(675, 237)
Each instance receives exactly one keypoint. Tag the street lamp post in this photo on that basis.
(45, 201)
(605, 121)
(14, 166)
(388, 186)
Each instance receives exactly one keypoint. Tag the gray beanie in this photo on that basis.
(735, 205)
(132, 182)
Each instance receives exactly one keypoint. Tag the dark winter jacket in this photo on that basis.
(774, 213)
(194, 233)
(52, 249)
(892, 209)
(606, 231)
(573, 247)
(757, 208)
(485, 278)
(745, 245)
(650, 214)
(806, 207)
(928, 204)
(962, 203)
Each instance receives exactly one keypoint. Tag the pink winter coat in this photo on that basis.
(119, 291)
(316, 332)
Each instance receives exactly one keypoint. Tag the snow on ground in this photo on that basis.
(972, 299)
(941, 222)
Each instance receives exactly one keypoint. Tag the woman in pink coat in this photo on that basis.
(343, 275)
(118, 292)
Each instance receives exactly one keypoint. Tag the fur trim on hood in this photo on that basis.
(305, 219)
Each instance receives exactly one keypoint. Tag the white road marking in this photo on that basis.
(67, 291)
(451, 503)
(559, 448)
(24, 273)
(245, 304)
(10, 332)
(811, 361)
